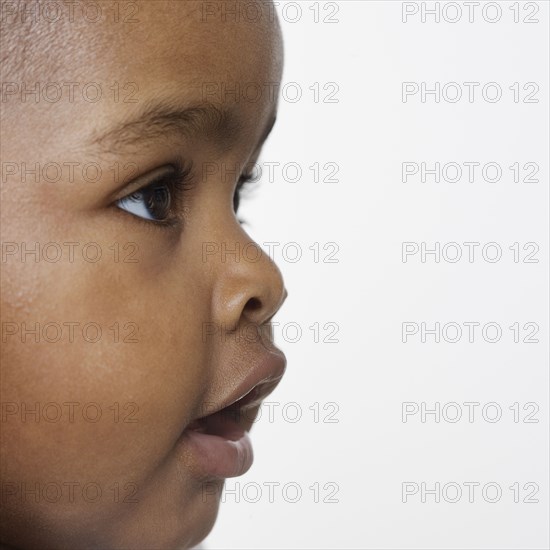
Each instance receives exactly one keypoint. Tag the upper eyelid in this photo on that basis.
(139, 183)
(145, 180)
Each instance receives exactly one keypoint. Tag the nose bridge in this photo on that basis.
(248, 284)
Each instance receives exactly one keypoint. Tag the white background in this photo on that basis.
(367, 452)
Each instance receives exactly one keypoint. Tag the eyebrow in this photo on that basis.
(162, 120)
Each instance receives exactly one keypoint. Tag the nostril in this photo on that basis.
(253, 304)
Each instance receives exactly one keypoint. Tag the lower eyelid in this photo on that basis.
(153, 225)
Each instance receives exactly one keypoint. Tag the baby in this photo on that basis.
(135, 310)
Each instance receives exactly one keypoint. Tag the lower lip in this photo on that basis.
(221, 456)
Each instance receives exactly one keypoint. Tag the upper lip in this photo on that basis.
(259, 382)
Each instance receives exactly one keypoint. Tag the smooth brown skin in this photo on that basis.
(172, 373)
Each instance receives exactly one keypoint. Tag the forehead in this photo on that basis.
(167, 43)
(183, 51)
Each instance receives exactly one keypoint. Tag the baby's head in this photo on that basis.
(133, 303)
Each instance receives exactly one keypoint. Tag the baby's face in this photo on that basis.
(171, 323)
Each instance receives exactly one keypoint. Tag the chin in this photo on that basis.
(176, 528)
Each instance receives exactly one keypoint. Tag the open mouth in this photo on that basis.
(230, 421)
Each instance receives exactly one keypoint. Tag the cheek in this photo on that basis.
(111, 356)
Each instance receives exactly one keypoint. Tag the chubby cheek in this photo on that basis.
(98, 383)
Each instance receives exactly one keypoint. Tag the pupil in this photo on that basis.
(158, 201)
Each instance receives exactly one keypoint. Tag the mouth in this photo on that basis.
(219, 441)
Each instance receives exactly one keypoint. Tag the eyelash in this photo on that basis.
(244, 182)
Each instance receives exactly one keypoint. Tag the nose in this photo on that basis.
(249, 286)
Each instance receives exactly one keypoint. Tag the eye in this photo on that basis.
(159, 200)
(151, 203)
